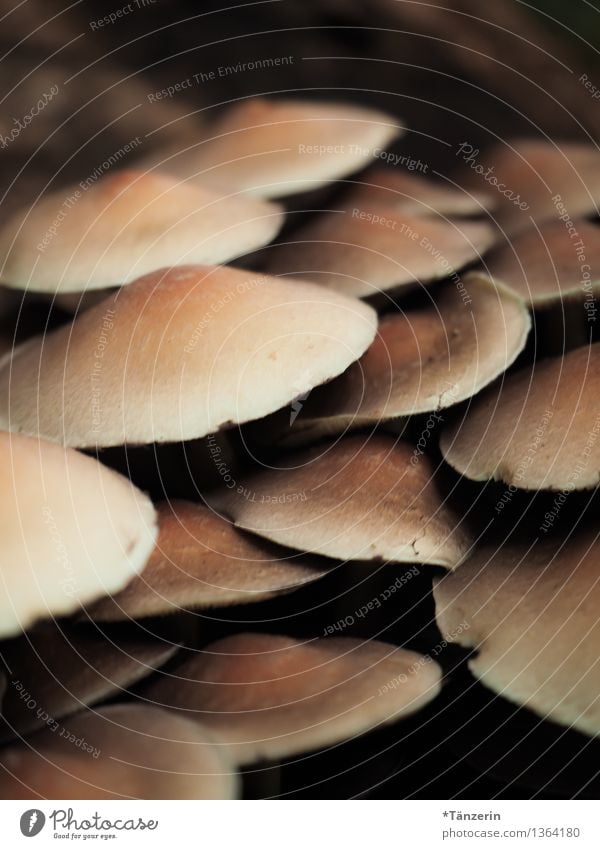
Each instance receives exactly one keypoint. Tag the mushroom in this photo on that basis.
(538, 429)
(179, 354)
(355, 499)
(56, 669)
(71, 531)
(272, 148)
(119, 752)
(422, 360)
(123, 226)
(267, 697)
(415, 195)
(201, 560)
(535, 180)
(530, 609)
(549, 264)
(363, 251)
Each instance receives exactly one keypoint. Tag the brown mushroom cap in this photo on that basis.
(355, 499)
(531, 611)
(539, 429)
(548, 264)
(71, 530)
(272, 148)
(364, 251)
(268, 697)
(55, 670)
(550, 179)
(125, 225)
(422, 360)
(415, 195)
(201, 560)
(118, 752)
(179, 354)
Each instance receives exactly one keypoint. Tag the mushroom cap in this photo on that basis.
(548, 178)
(422, 360)
(272, 148)
(361, 256)
(71, 530)
(538, 429)
(62, 669)
(179, 354)
(268, 697)
(201, 560)
(548, 264)
(125, 225)
(355, 499)
(415, 195)
(121, 751)
(530, 608)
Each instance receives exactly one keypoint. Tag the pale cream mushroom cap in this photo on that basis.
(362, 256)
(60, 669)
(413, 194)
(422, 360)
(179, 354)
(272, 148)
(127, 751)
(538, 429)
(269, 697)
(202, 560)
(360, 498)
(550, 264)
(530, 609)
(125, 225)
(550, 179)
(71, 530)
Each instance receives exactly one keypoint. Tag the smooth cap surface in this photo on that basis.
(268, 697)
(360, 498)
(179, 354)
(125, 225)
(531, 611)
(71, 530)
(538, 429)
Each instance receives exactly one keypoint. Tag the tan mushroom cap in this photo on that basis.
(201, 560)
(272, 148)
(119, 752)
(422, 360)
(360, 498)
(549, 178)
(179, 354)
(268, 697)
(57, 669)
(71, 530)
(415, 195)
(539, 429)
(550, 264)
(364, 251)
(125, 225)
(531, 611)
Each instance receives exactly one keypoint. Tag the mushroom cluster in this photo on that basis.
(225, 400)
